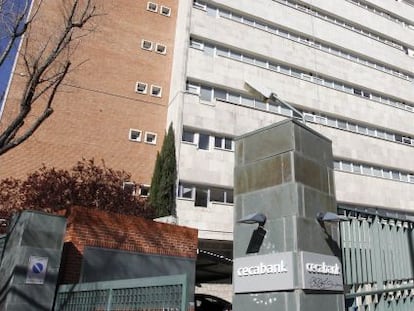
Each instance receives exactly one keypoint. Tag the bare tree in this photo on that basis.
(46, 57)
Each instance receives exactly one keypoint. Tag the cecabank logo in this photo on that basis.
(262, 269)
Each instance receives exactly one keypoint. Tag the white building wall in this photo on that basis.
(215, 167)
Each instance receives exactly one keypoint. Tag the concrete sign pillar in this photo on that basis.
(285, 172)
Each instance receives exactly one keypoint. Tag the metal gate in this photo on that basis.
(167, 293)
(377, 256)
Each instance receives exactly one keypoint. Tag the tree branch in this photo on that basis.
(45, 69)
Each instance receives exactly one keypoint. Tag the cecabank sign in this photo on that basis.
(263, 273)
(277, 272)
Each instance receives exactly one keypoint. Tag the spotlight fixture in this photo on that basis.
(258, 234)
(323, 217)
(255, 218)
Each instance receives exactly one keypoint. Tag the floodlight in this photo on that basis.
(255, 218)
(330, 217)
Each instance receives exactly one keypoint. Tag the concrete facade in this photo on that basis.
(345, 66)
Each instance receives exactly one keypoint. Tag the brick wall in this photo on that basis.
(94, 228)
(97, 104)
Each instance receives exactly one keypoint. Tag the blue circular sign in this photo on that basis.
(37, 267)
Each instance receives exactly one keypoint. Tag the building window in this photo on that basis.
(188, 136)
(223, 143)
(146, 45)
(203, 195)
(135, 135)
(141, 88)
(144, 190)
(129, 186)
(156, 91)
(151, 6)
(166, 11)
(185, 191)
(203, 141)
(160, 48)
(150, 138)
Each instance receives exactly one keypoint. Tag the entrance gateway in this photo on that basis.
(285, 172)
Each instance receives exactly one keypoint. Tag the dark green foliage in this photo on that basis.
(163, 185)
(155, 182)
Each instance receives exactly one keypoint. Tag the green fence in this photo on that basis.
(168, 293)
(377, 256)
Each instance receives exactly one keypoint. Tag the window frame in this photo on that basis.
(165, 14)
(146, 187)
(149, 3)
(153, 86)
(143, 41)
(142, 83)
(154, 142)
(157, 45)
(139, 139)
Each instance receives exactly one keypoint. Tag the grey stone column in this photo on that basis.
(285, 171)
(31, 261)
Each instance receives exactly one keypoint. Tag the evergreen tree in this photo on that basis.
(163, 185)
(155, 183)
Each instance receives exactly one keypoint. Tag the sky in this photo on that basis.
(6, 68)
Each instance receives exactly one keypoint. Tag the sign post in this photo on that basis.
(285, 173)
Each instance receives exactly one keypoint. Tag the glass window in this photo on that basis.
(205, 93)
(248, 59)
(352, 127)
(366, 170)
(273, 107)
(216, 195)
(362, 129)
(201, 197)
(235, 55)
(229, 196)
(228, 142)
(188, 136)
(186, 191)
(220, 94)
(222, 51)
(234, 98)
(377, 172)
(342, 124)
(380, 134)
(260, 105)
(247, 101)
(193, 88)
(332, 122)
(203, 141)
(395, 175)
(261, 63)
(209, 50)
(236, 17)
(346, 166)
(248, 21)
(273, 67)
(285, 70)
(211, 11)
(296, 73)
(218, 141)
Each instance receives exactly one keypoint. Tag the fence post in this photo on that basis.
(108, 306)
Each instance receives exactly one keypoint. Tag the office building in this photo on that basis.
(344, 67)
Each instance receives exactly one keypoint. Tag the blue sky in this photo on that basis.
(6, 68)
